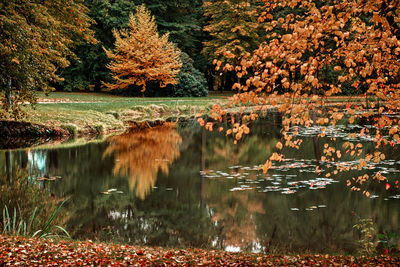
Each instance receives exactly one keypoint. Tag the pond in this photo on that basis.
(183, 186)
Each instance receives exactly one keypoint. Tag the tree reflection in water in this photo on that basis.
(142, 154)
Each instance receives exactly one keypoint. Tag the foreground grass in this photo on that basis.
(28, 252)
(106, 113)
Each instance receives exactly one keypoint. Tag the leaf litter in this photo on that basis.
(16, 250)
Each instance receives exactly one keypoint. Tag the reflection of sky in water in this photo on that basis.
(37, 161)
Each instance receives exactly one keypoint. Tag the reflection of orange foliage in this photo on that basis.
(141, 154)
(236, 213)
(238, 232)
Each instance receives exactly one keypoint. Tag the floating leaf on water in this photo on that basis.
(112, 190)
(240, 188)
(288, 192)
(211, 176)
(235, 167)
(319, 187)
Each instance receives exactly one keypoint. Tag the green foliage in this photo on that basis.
(10, 224)
(189, 85)
(17, 225)
(71, 129)
(184, 20)
(387, 241)
(367, 231)
(49, 227)
(191, 82)
(27, 209)
(37, 37)
(233, 28)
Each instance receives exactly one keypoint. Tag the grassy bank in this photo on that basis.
(29, 251)
(88, 112)
(83, 114)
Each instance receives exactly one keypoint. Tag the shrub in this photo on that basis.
(191, 82)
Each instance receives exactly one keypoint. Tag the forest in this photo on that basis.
(272, 124)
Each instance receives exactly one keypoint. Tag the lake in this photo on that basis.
(182, 186)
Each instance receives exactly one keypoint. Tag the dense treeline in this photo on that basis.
(62, 44)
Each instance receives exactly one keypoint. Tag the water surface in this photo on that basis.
(185, 186)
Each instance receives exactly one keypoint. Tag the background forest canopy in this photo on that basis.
(313, 47)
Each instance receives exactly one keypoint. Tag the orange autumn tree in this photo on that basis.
(142, 55)
(314, 50)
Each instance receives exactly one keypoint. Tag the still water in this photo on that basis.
(183, 186)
